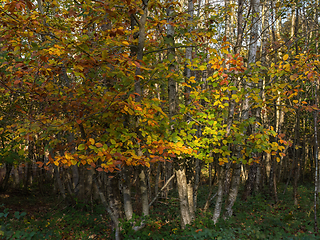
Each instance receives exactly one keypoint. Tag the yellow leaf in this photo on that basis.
(285, 57)
(278, 159)
(202, 68)
(56, 163)
(192, 79)
(287, 67)
(104, 54)
(91, 140)
(68, 156)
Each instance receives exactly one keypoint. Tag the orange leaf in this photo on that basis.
(198, 230)
(99, 169)
(40, 164)
(99, 145)
(160, 150)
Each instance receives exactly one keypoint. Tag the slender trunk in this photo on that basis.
(59, 182)
(183, 197)
(316, 149)
(274, 180)
(196, 183)
(139, 90)
(16, 180)
(88, 186)
(163, 188)
(172, 85)
(112, 214)
(191, 204)
(255, 6)
(4, 185)
(144, 192)
(113, 194)
(295, 159)
(233, 193)
(126, 191)
(156, 184)
(211, 181)
(218, 206)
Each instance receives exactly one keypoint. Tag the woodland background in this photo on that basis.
(126, 103)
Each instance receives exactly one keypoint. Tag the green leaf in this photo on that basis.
(81, 147)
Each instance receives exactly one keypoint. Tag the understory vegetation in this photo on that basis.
(34, 216)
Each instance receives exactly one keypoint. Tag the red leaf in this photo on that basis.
(40, 164)
(137, 64)
(19, 65)
(79, 121)
(16, 82)
(29, 4)
(99, 169)
(44, 58)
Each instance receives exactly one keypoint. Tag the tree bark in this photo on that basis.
(218, 206)
(183, 197)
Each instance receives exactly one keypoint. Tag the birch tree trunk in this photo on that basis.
(295, 158)
(138, 89)
(233, 192)
(183, 197)
(254, 35)
(217, 209)
(126, 192)
(189, 163)
(316, 155)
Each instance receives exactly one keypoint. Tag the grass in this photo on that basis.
(34, 216)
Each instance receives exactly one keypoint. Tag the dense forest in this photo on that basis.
(133, 105)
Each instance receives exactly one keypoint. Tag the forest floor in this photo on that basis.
(34, 215)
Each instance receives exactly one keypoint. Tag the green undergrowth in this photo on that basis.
(37, 217)
(41, 218)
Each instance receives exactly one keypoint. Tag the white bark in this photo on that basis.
(183, 197)
(217, 209)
